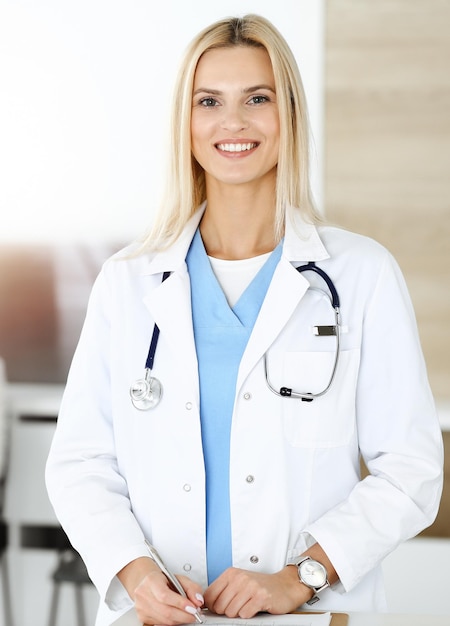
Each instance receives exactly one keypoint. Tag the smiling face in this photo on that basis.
(235, 124)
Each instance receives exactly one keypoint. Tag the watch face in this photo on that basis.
(313, 573)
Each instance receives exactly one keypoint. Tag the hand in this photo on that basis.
(157, 603)
(155, 600)
(240, 593)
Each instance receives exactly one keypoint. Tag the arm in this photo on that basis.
(83, 479)
(87, 485)
(399, 438)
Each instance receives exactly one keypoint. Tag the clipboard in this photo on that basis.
(337, 619)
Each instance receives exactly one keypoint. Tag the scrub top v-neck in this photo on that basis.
(221, 335)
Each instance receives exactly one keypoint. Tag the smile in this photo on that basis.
(235, 147)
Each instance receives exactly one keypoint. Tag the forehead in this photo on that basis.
(234, 65)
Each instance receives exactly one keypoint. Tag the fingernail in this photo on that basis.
(200, 598)
(190, 609)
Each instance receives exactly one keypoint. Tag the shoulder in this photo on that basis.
(339, 240)
(352, 248)
(123, 277)
(359, 260)
(128, 261)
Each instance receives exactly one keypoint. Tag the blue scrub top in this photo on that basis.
(221, 334)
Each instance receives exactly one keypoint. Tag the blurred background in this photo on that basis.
(85, 90)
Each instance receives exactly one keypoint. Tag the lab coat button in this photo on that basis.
(250, 478)
(254, 559)
(186, 487)
(247, 395)
(187, 567)
(188, 406)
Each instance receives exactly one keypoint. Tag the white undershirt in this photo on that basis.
(235, 276)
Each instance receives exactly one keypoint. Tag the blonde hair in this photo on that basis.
(185, 182)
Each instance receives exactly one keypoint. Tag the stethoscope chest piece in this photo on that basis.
(146, 393)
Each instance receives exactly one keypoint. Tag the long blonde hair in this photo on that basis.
(185, 182)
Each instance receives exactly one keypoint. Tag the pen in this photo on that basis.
(168, 574)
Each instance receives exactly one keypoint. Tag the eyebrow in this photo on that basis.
(217, 92)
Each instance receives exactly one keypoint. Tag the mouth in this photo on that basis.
(236, 147)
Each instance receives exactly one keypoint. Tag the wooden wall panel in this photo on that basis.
(387, 153)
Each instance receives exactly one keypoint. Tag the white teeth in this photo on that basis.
(235, 147)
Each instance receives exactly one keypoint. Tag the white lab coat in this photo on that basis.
(116, 474)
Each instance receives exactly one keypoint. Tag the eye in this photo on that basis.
(259, 99)
(208, 102)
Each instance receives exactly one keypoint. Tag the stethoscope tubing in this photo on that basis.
(311, 266)
(155, 336)
(146, 393)
(286, 392)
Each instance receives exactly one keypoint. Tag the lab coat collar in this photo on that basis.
(301, 243)
(174, 257)
(301, 239)
(171, 310)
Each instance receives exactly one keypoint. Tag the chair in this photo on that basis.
(4, 436)
(70, 569)
(6, 592)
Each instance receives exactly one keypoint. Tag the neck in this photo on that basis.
(238, 224)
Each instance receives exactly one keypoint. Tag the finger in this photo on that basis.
(193, 591)
(245, 603)
(164, 614)
(224, 592)
(156, 602)
(214, 590)
(238, 594)
(168, 618)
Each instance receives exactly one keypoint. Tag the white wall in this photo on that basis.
(84, 92)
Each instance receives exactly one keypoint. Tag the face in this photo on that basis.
(235, 124)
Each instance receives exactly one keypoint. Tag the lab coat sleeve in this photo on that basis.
(88, 493)
(399, 438)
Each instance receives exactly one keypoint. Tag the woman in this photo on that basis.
(249, 463)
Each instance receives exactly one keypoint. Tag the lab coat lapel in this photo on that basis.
(170, 306)
(301, 244)
(169, 303)
(285, 292)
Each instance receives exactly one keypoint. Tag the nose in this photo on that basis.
(234, 119)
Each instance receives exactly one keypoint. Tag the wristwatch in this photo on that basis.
(312, 574)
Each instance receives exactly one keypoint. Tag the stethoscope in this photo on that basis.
(306, 396)
(146, 393)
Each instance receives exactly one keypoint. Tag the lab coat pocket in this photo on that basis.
(329, 420)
